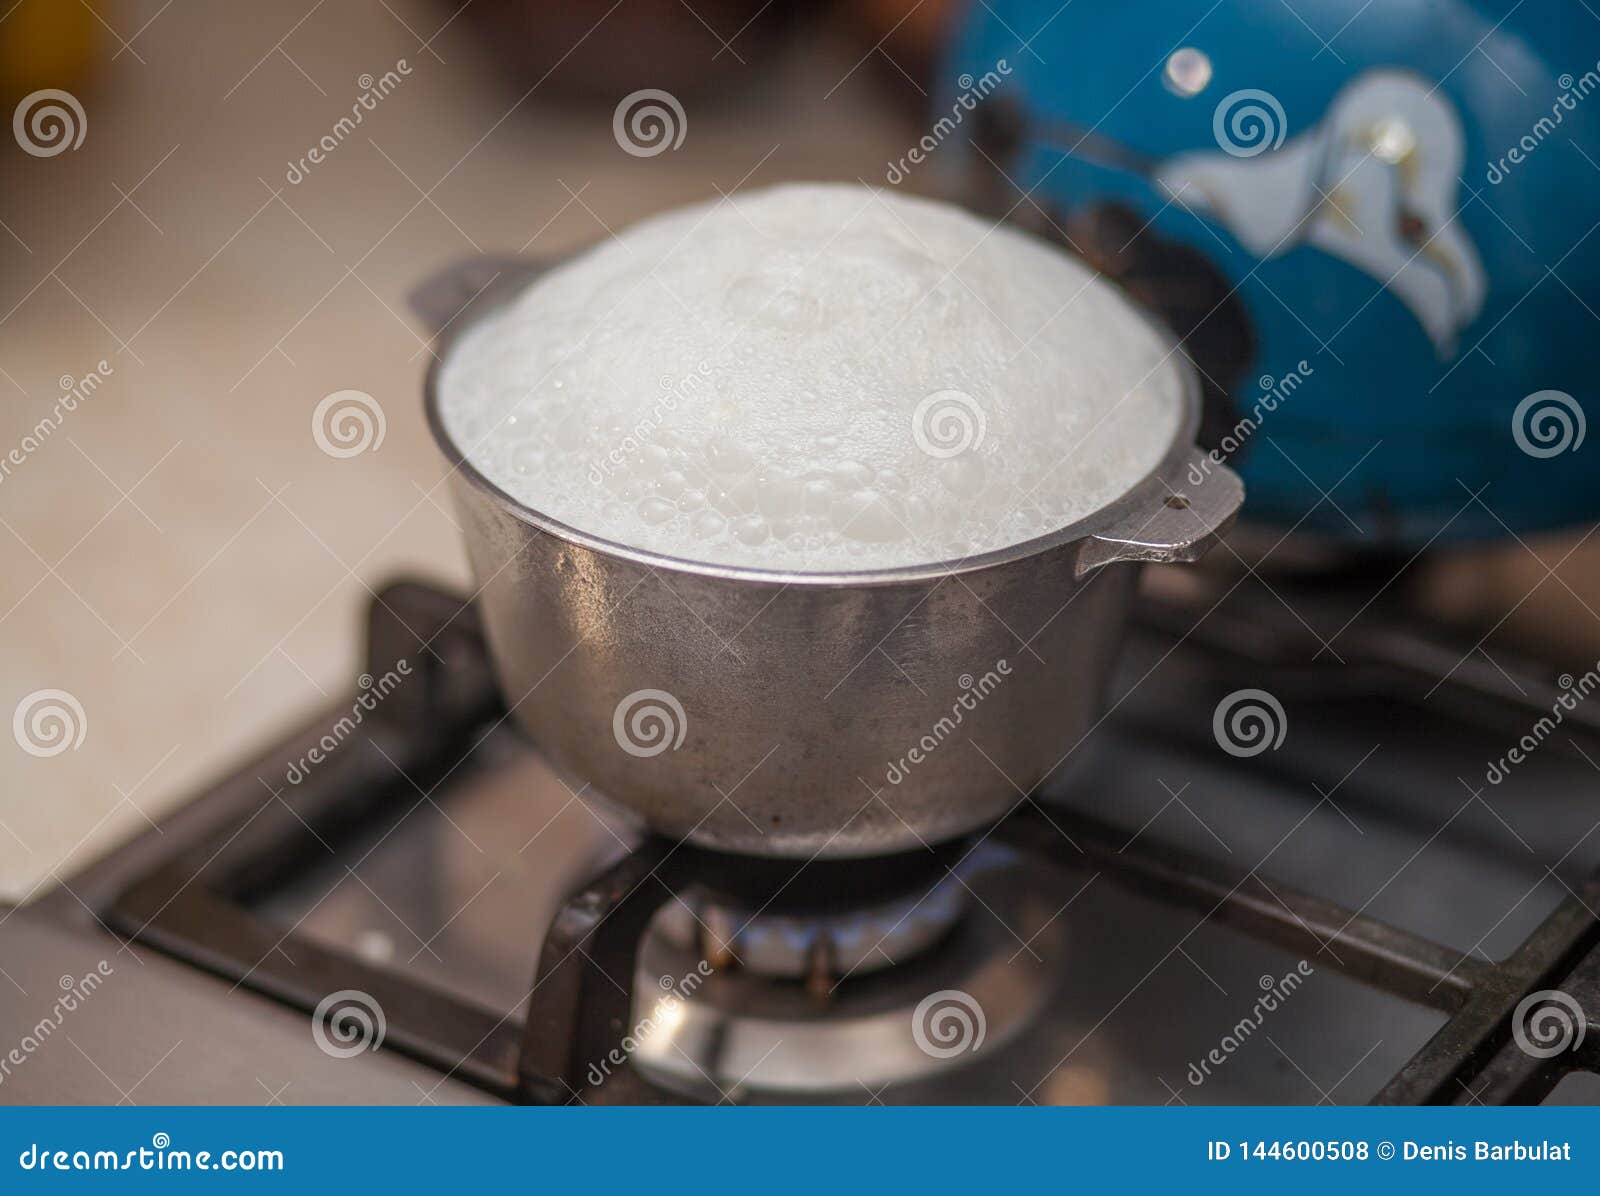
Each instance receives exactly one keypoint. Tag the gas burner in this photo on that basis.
(820, 946)
(844, 1002)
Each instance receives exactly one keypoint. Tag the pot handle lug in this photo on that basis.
(443, 297)
(1188, 516)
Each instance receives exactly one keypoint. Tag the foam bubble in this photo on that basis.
(815, 378)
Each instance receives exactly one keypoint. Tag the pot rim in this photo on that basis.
(1146, 493)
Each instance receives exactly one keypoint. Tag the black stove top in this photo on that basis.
(1356, 914)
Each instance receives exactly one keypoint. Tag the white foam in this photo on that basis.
(815, 378)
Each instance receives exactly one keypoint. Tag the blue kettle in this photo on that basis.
(1375, 226)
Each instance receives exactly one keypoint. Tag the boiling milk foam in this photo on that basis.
(815, 378)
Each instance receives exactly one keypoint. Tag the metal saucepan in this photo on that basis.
(804, 714)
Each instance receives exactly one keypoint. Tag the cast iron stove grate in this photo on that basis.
(195, 903)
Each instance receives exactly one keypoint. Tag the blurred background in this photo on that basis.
(217, 249)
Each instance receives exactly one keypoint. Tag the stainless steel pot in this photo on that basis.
(807, 714)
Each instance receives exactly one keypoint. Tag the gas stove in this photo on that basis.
(404, 903)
